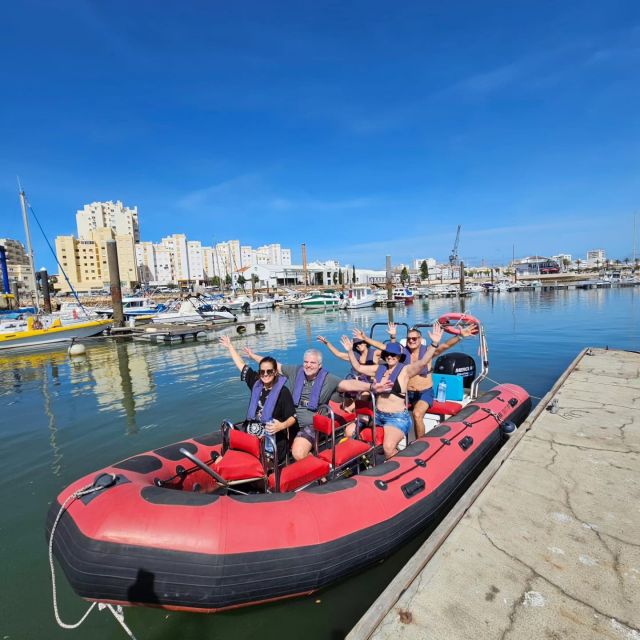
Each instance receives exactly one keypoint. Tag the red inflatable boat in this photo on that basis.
(206, 524)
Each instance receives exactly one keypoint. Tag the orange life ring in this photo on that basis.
(451, 322)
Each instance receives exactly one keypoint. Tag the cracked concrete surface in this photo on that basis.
(551, 548)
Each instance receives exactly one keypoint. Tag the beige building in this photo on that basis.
(18, 266)
(85, 260)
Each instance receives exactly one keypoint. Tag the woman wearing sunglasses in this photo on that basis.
(271, 408)
(391, 408)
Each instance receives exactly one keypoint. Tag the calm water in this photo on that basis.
(61, 418)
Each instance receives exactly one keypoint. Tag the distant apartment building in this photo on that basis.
(154, 264)
(268, 254)
(596, 256)
(114, 215)
(563, 259)
(85, 260)
(417, 264)
(176, 246)
(18, 265)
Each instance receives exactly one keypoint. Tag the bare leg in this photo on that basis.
(419, 409)
(392, 437)
(301, 448)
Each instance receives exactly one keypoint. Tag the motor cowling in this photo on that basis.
(457, 364)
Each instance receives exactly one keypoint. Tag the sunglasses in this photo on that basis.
(267, 372)
(413, 338)
(386, 354)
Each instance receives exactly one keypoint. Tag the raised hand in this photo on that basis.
(469, 330)
(345, 341)
(392, 329)
(359, 334)
(382, 387)
(249, 352)
(225, 341)
(436, 333)
(322, 339)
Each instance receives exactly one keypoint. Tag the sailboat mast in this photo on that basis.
(23, 204)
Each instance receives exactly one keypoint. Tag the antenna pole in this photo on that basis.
(23, 204)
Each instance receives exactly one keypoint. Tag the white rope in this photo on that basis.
(117, 613)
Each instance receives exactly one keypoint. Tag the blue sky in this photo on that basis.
(360, 128)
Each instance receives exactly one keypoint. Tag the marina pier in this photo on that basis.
(546, 542)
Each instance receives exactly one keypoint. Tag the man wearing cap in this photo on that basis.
(312, 386)
(420, 388)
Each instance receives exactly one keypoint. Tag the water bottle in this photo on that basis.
(441, 395)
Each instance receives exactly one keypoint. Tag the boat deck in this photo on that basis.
(546, 543)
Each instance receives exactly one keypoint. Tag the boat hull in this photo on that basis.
(37, 338)
(137, 543)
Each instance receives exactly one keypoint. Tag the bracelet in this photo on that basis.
(434, 345)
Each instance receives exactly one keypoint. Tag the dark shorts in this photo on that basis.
(426, 395)
(308, 433)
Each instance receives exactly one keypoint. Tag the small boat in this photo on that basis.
(360, 297)
(172, 528)
(134, 306)
(192, 311)
(321, 301)
(403, 294)
(262, 301)
(38, 331)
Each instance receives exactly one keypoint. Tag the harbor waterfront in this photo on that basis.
(63, 417)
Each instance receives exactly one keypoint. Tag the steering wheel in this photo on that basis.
(451, 322)
(216, 476)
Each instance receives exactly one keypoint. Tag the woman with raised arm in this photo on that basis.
(271, 408)
(391, 409)
(363, 352)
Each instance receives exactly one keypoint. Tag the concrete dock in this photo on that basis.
(546, 543)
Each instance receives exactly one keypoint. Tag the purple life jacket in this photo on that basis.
(370, 353)
(425, 371)
(314, 398)
(394, 374)
(270, 402)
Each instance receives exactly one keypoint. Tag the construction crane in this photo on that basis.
(453, 258)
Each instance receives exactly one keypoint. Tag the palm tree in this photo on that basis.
(579, 262)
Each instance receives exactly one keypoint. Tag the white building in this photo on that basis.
(195, 259)
(596, 256)
(176, 244)
(431, 263)
(122, 220)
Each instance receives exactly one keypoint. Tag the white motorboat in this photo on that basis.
(191, 311)
(403, 294)
(134, 306)
(262, 301)
(360, 297)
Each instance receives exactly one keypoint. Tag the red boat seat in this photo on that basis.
(300, 473)
(241, 462)
(365, 435)
(241, 441)
(448, 408)
(239, 466)
(345, 451)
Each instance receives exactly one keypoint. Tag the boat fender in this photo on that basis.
(508, 428)
(77, 349)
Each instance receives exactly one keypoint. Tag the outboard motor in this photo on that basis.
(457, 364)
